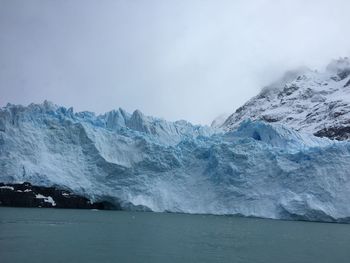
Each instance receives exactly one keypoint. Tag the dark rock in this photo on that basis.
(27, 195)
(347, 84)
(288, 90)
(269, 118)
(344, 73)
(337, 133)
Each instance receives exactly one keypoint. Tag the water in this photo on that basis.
(60, 235)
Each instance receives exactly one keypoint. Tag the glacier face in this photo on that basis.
(259, 169)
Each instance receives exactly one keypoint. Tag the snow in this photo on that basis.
(257, 169)
(47, 199)
(7, 187)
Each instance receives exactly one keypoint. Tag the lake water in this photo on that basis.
(62, 235)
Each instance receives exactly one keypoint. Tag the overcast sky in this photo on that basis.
(186, 59)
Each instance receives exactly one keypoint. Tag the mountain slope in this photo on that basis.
(258, 169)
(305, 100)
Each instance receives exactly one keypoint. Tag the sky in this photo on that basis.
(189, 59)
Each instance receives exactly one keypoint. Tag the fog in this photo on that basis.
(188, 60)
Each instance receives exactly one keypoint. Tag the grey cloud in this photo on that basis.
(174, 59)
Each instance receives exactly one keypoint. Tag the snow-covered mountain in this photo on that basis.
(258, 169)
(308, 101)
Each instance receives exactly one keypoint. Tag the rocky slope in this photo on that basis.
(304, 100)
(139, 162)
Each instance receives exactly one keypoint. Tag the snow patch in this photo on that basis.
(7, 187)
(47, 199)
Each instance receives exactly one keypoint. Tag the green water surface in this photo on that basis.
(63, 235)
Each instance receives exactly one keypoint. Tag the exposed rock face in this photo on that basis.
(338, 133)
(27, 195)
(305, 100)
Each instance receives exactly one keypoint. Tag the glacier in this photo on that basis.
(259, 169)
